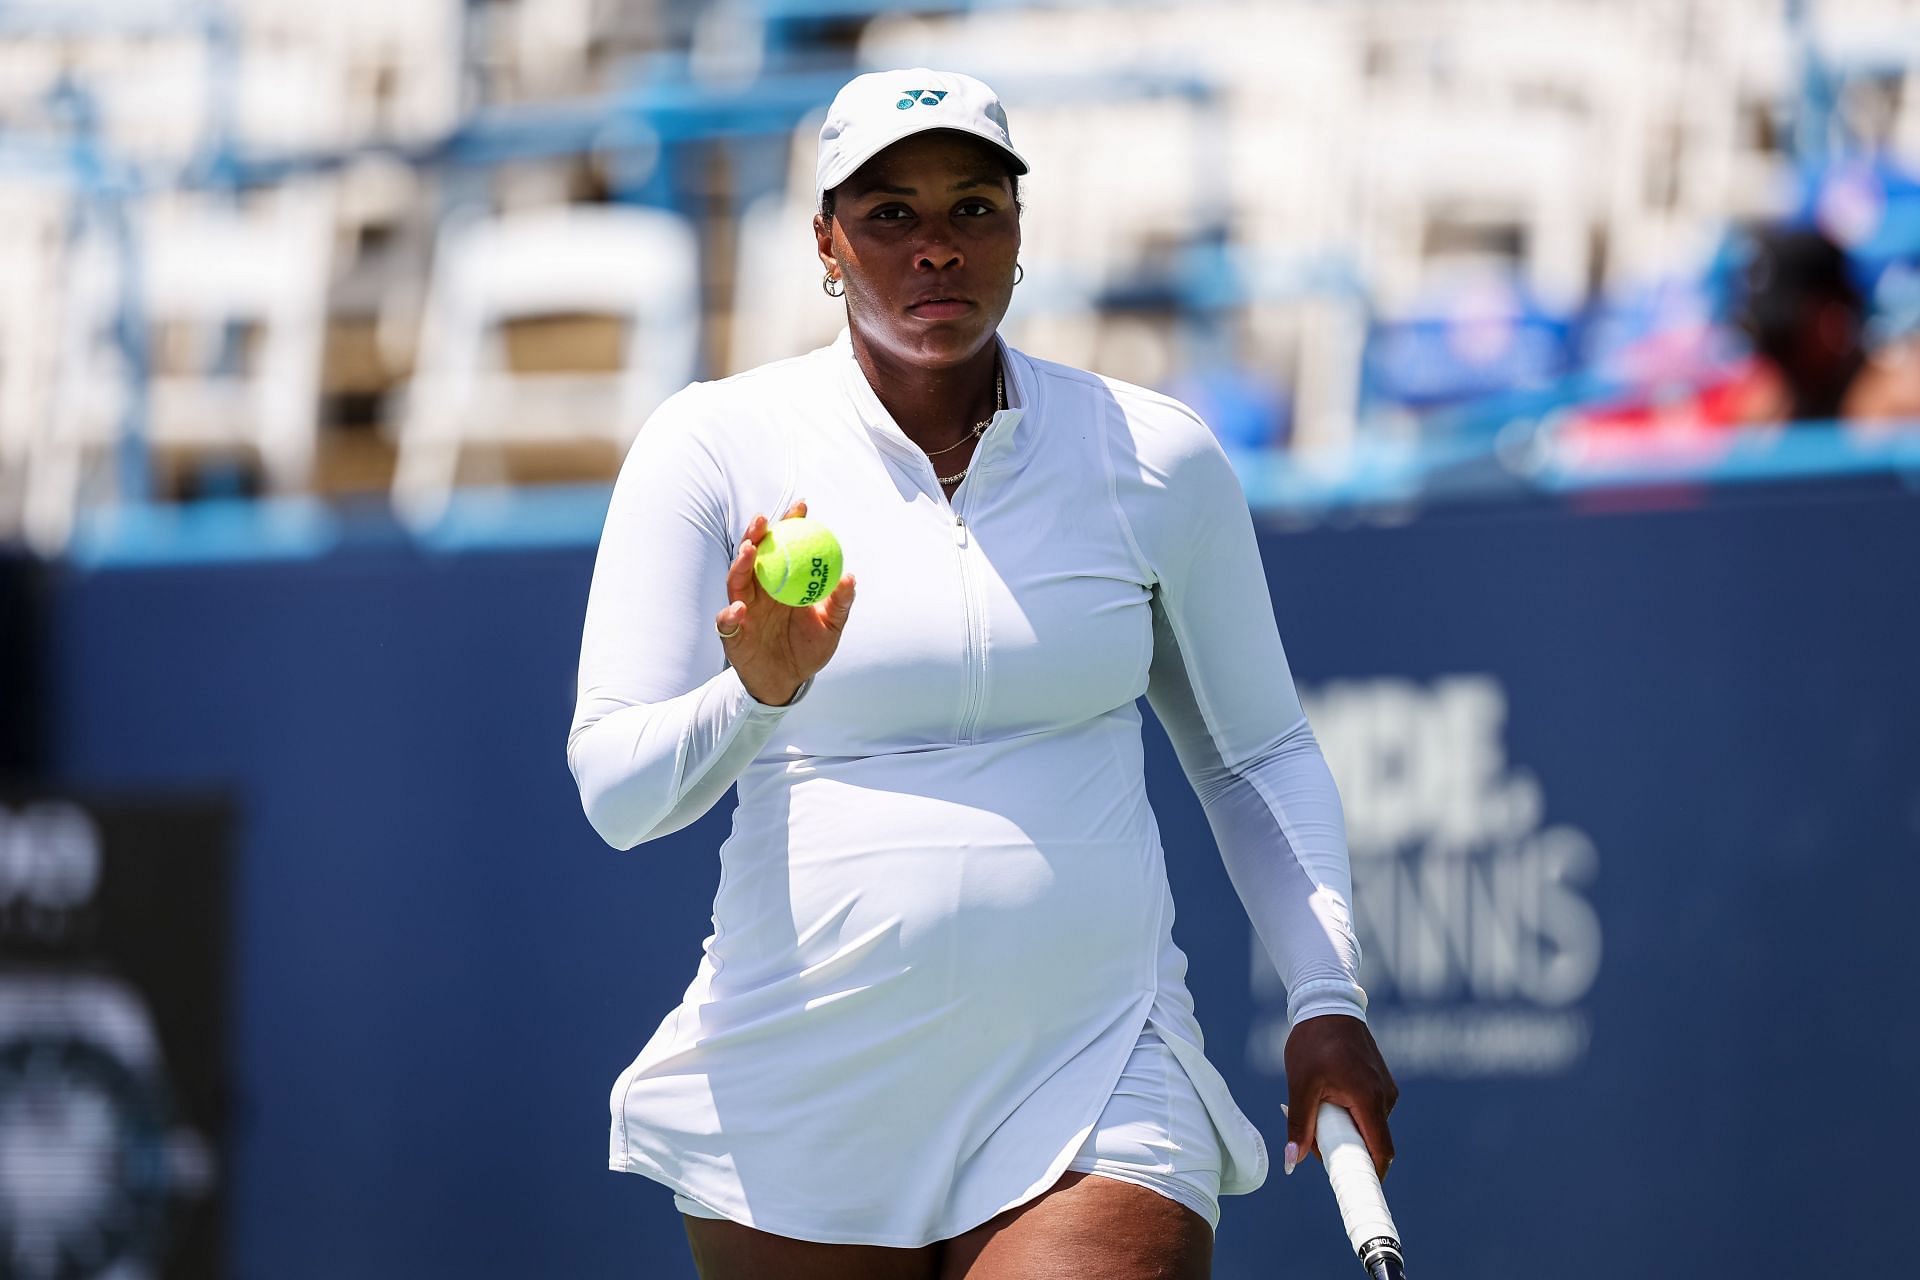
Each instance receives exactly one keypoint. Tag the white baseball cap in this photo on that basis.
(876, 110)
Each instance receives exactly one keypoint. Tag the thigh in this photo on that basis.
(1086, 1228)
(724, 1250)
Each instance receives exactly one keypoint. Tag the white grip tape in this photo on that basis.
(1363, 1208)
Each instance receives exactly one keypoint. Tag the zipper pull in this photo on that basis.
(960, 529)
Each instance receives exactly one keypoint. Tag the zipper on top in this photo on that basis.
(973, 610)
(973, 604)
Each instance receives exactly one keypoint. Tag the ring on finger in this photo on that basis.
(727, 635)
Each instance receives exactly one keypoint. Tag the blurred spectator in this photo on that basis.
(1813, 355)
(1806, 318)
(1797, 301)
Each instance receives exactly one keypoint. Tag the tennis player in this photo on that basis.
(941, 1028)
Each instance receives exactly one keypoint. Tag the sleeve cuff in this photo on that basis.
(1323, 996)
(766, 710)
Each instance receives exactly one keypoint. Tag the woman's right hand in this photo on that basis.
(773, 647)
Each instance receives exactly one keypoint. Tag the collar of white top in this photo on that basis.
(1003, 442)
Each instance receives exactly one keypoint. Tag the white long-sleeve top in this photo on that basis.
(943, 916)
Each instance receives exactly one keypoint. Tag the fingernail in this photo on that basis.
(1292, 1157)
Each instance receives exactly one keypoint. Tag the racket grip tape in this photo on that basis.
(1363, 1207)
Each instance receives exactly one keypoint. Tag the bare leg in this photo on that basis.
(1086, 1228)
(728, 1251)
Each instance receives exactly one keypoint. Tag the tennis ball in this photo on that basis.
(798, 561)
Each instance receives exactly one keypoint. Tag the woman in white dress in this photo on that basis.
(941, 1028)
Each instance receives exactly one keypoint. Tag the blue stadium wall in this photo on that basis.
(1635, 789)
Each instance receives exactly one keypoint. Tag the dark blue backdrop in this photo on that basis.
(1681, 745)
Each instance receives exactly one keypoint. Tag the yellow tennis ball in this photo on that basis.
(798, 561)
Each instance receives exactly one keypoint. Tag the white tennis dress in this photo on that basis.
(943, 919)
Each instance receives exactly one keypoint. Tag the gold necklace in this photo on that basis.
(979, 428)
(999, 398)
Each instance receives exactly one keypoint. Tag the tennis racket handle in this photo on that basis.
(1363, 1207)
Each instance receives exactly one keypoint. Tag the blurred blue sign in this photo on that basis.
(1478, 340)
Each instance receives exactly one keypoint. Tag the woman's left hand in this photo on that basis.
(1332, 1058)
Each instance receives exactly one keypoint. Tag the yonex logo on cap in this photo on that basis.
(921, 98)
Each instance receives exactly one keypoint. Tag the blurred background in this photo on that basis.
(1569, 351)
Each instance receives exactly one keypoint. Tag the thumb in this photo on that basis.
(839, 605)
(1301, 1108)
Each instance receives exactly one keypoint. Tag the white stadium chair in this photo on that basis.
(638, 265)
(399, 62)
(205, 270)
(1492, 173)
(32, 234)
(779, 309)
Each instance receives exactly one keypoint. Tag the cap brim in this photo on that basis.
(847, 165)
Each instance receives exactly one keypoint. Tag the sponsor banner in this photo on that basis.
(113, 973)
(1478, 933)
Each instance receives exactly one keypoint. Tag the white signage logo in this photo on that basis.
(1477, 936)
(49, 857)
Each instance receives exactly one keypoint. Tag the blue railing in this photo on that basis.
(1376, 477)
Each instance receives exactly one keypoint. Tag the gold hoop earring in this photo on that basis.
(828, 281)
(1019, 273)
